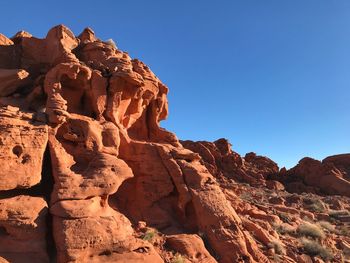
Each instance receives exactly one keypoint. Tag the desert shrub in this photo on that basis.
(326, 225)
(149, 235)
(307, 219)
(277, 245)
(284, 229)
(344, 231)
(315, 204)
(246, 197)
(313, 248)
(316, 207)
(336, 213)
(178, 259)
(311, 230)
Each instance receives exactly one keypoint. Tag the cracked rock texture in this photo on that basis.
(88, 175)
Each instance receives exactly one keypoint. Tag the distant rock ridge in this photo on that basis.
(88, 175)
(330, 176)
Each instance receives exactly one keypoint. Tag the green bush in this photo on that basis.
(149, 235)
(178, 259)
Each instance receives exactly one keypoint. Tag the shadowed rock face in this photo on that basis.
(124, 189)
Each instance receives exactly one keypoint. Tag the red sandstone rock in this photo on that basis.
(191, 246)
(116, 171)
(341, 162)
(220, 160)
(5, 41)
(330, 176)
(22, 144)
(261, 234)
(11, 80)
(23, 229)
(274, 185)
(54, 49)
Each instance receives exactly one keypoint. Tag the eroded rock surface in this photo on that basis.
(124, 189)
(23, 229)
(23, 139)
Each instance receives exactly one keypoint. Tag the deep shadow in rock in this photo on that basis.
(43, 189)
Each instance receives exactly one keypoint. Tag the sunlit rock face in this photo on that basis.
(88, 175)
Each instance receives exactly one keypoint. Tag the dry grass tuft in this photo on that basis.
(313, 248)
(337, 213)
(278, 246)
(310, 230)
(327, 226)
(315, 204)
(284, 229)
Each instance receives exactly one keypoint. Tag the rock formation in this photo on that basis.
(88, 174)
(330, 176)
(221, 161)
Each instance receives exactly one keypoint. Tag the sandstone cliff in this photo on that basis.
(88, 175)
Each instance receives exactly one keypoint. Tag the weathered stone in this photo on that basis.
(22, 144)
(11, 80)
(23, 229)
(122, 189)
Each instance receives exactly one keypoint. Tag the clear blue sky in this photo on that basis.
(271, 76)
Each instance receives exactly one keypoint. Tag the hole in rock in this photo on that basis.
(105, 253)
(141, 250)
(25, 158)
(3, 231)
(17, 150)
